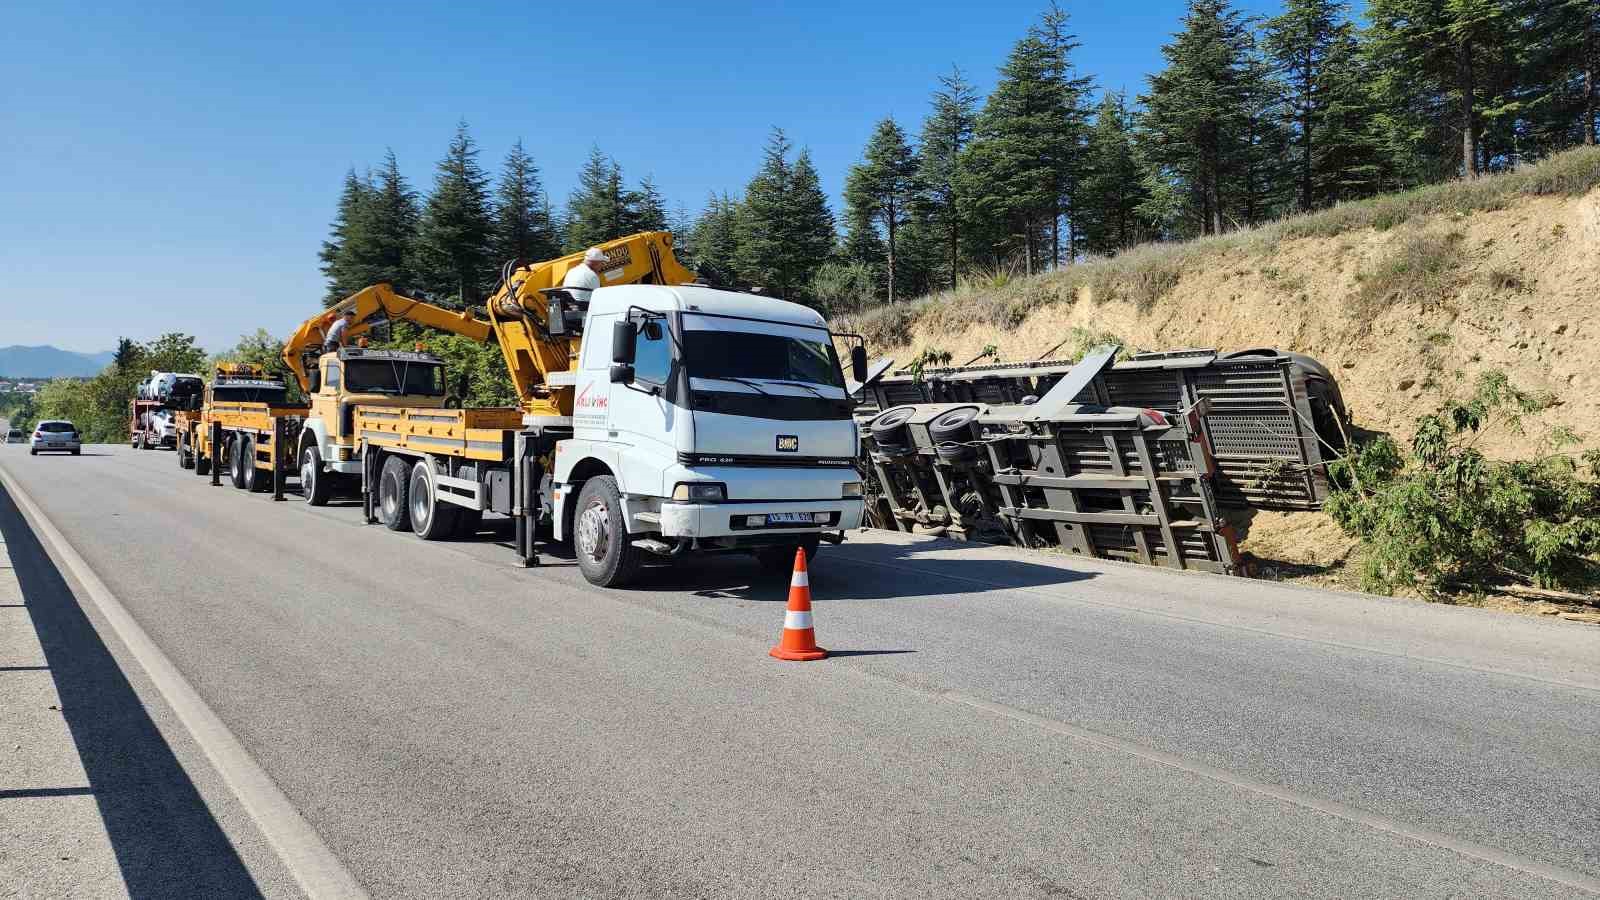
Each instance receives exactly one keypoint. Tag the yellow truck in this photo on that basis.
(245, 423)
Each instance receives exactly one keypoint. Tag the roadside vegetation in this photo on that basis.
(1441, 519)
(1419, 268)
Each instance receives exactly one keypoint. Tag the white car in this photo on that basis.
(15, 436)
(56, 435)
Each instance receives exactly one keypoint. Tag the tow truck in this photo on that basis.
(701, 420)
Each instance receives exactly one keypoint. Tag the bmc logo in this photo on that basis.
(788, 443)
(587, 400)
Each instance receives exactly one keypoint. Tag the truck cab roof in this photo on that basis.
(694, 298)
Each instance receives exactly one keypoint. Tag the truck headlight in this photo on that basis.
(700, 490)
(851, 490)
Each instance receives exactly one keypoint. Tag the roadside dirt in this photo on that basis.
(1512, 289)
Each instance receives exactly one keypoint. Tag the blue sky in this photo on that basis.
(165, 168)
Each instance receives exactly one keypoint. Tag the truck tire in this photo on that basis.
(315, 484)
(255, 481)
(394, 508)
(431, 520)
(236, 462)
(779, 559)
(606, 555)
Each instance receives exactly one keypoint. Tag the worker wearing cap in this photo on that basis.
(585, 276)
(336, 331)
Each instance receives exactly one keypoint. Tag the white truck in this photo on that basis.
(657, 418)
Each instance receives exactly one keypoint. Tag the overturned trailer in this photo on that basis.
(1129, 461)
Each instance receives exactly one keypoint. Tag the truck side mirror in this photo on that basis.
(621, 373)
(858, 363)
(623, 335)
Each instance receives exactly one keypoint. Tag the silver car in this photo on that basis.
(56, 435)
(15, 436)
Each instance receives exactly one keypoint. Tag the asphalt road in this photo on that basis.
(993, 723)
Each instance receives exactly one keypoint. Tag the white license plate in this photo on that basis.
(789, 519)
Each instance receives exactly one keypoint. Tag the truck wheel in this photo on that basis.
(236, 462)
(394, 507)
(430, 519)
(600, 536)
(254, 481)
(314, 486)
(779, 560)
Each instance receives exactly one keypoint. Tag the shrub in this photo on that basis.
(1445, 518)
(844, 287)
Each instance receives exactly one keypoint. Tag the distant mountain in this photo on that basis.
(50, 362)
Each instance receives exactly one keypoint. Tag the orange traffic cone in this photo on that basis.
(799, 641)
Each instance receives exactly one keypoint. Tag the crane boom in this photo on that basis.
(372, 306)
(522, 314)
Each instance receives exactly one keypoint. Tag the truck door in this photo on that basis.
(641, 415)
(325, 404)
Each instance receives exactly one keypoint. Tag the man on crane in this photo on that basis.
(336, 331)
(585, 276)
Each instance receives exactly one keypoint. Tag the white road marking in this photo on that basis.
(1348, 813)
(317, 870)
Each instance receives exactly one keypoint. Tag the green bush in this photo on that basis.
(1444, 518)
(844, 287)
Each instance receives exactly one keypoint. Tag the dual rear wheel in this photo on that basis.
(407, 499)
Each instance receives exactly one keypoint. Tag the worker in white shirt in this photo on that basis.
(585, 276)
(336, 331)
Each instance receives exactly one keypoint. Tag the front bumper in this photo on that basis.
(706, 520)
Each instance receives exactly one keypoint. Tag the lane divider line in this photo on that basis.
(1472, 849)
(1249, 629)
(312, 864)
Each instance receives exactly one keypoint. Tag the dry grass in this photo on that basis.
(1416, 271)
(1419, 270)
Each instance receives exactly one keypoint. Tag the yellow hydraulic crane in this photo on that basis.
(539, 333)
(372, 306)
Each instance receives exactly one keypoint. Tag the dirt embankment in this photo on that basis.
(1406, 315)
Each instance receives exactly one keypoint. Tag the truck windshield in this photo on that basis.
(769, 357)
(393, 376)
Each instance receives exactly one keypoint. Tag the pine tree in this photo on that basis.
(1434, 56)
(129, 356)
(598, 209)
(1564, 101)
(453, 241)
(812, 228)
(381, 250)
(785, 229)
(1113, 189)
(1067, 123)
(714, 241)
(523, 227)
(879, 190)
(647, 211)
(1301, 43)
(348, 220)
(1008, 175)
(945, 134)
(1196, 108)
(1258, 174)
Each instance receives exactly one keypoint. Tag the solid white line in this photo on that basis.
(319, 873)
(1484, 852)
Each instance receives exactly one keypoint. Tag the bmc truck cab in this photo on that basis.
(704, 420)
